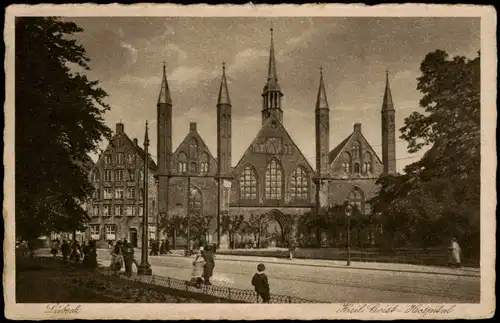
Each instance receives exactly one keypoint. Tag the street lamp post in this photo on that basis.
(188, 206)
(348, 212)
(144, 268)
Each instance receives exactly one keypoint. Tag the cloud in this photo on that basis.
(131, 50)
(143, 81)
(186, 74)
(246, 58)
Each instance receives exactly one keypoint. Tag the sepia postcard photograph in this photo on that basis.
(249, 162)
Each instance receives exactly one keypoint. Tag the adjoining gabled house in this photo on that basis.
(117, 206)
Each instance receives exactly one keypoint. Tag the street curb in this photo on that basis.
(478, 275)
(344, 267)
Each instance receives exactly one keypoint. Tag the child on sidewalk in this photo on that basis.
(259, 281)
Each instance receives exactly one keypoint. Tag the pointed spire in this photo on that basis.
(223, 91)
(387, 103)
(272, 75)
(164, 90)
(321, 102)
(146, 136)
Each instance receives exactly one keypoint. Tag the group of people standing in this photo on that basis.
(122, 255)
(86, 253)
(159, 248)
(203, 265)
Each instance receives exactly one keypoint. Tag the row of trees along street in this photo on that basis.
(438, 196)
(59, 121)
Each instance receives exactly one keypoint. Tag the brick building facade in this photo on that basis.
(118, 203)
(272, 179)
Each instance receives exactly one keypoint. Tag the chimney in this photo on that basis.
(357, 127)
(120, 128)
(135, 141)
(192, 126)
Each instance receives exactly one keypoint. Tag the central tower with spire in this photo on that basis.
(164, 131)
(271, 95)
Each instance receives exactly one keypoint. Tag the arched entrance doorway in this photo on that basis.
(275, 226)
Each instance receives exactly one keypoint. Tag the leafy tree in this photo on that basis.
(231, 224)
(438, 196)
(59, 120)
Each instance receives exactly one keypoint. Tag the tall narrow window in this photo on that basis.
(356, 149)
(192, 167)
(346, 162)
(356, 168)
(204, 163)
(107, 159)
(118, 210)
(356, 197)
(182, 162)
(367, 166)
(120, 158)
(193, 148)
(248, 184)
(96, 175)
(141, 174)
(131, 192)
(119, 175)
(274, 181)
(108, 175)
(131, 174)
(299, 184)
(195, 202)
(118, 193)
(131, 157)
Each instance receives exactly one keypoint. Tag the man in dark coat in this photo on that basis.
(208, 269)
(128, 256)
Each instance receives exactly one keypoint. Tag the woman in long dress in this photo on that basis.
(455, 253)
(116, 258)
(198, 265)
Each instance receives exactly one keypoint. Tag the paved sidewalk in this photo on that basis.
(395, 267)
(464, 271)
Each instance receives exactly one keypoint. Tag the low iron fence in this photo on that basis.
(221, 292)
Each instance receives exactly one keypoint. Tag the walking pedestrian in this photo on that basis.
(198, 270)
(455, 251)
(162, 247)
(116, 258)
(208, 268)
(167, 246)
(76, 252)
(53, 248)
(65, 250)
(128, 256)
(261, 284)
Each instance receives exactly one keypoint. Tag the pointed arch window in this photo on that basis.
(248, 184)
(367, 162)
(356, 169)
(193, 167)
(131, 157)
(298, 183)
(346, 162)
(96, 175)
(356, 149)
(273, 181)
(108, 159)
(182, 163)
(195, 202)
(356, 197)
(193, 148)
(141, 174)
(204, 163)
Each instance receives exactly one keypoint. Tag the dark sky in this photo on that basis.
(127, 55)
